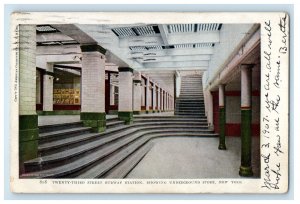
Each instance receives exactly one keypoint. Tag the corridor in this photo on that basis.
(139, 101)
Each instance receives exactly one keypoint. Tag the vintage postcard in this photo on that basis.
(156, 102)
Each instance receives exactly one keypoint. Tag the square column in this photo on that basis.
(154, 98)
(151, 98)
(93, 87)
(48, 89)
(222, 117)
(125, 111)
(170, 102)
(28, 119)
(112, 94)
(162, 100)
(246, 119)
(148, 95)
(167, 102)
(137, 93)
(158, 99)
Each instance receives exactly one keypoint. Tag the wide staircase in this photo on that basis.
(72, 151)
(190, 101)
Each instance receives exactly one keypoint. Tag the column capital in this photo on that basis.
(125, 69)
(48, 73)
(249, 66)
(136, 81)
(92, 48)
(137, 75)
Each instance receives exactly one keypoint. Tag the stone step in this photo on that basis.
(100, 169)
(65, 133)
(191, 82)
(166, 123)
(65, 126)
(111, 124)
(178, 118)
(191, 85)
(189, 109)
(187, 106)
(64, 144)
(163, 117)
(184, 106)
(57, 127)
(190, 105)
(188, 114)
(124, 168)
(77, 165)
(191, 90)
(198, 109)
(182, 91)
(190, 98)
(61, 144)
(190, 93)
(70, 154)
(190, 102)
(74, 142)
(190, 78)
(184, 112)
(109, 131)
(185, 101)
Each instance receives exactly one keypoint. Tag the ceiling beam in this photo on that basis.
(199, 37)
(176, 64)
(75, 33)
(48, 37)
(114, 54)
(174, 58)
(173, 52)
(141, 41)
(173, 68)
(172, 39)
(164, 33)
(58, 49)
(112, 58)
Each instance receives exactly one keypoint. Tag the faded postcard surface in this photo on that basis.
(149, 102)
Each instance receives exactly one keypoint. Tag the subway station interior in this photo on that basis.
(139, 101)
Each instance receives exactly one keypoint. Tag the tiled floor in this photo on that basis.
(187, 158)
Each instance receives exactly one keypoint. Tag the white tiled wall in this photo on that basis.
(93, 82)
(27, 74)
